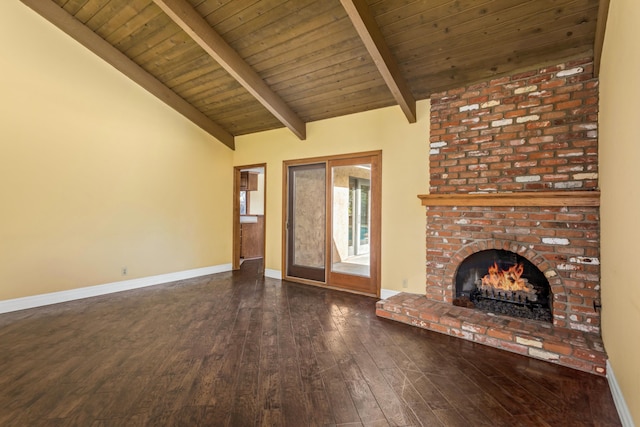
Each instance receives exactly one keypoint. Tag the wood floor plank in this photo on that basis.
(238, 349)
(342, 406)
(410, 396)
(390, 402)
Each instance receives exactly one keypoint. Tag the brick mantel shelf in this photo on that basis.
(529, 198)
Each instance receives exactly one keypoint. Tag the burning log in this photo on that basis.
(507, 284)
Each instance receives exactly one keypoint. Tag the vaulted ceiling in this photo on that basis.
(235, 67)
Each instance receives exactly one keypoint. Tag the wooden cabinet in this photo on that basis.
(248, 181)
(252, 239)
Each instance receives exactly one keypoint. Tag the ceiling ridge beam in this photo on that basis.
(374, 41)
(183, 14)
(96, 44)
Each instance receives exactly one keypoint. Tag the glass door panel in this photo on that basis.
(306, 222)
(350, 211)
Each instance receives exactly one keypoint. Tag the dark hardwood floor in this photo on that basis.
(235, 349)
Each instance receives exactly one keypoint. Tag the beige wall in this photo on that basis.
(620, 184)
(95, 173)
(256, 198)
(404, 175)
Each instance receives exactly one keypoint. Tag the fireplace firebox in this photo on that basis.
(503, 282)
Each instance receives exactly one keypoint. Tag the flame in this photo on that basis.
(508, 280)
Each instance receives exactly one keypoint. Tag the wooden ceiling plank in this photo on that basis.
(212, 81)
(460, 57)
(174, 64)
(365, 81)
(125, 14)
(525, 35)
(598, 43)
(479, 28)
(348, 63)
(482, 69)
(438, 16)
(171, 42)
(207, 7)
(134, 24)
(397, 8)
(202, 33)
(372, 38)
(149, 36)
(90, 8)
(78, 31)
(189, 68)
(351, 103)
(229, 15)
(102, 16)
(224, 107)
(336, 74)
(285, 21)
(296, 51)
(246, 112)
(72, 6)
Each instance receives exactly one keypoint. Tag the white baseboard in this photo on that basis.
(274, 274)
(618, 398)
(386, 293)
(24, 303)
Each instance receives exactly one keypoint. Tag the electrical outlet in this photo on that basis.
(124, 271)
(405, 283)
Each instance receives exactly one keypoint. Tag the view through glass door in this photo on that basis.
(351, 212)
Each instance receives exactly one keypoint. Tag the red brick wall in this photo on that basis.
(563, 242)
(532, 131)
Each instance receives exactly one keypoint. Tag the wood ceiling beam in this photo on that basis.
(96, 44)
(598, 42)
(183, 14)
(370, 33)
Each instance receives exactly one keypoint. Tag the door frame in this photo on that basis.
(235, 257)
(376, 243)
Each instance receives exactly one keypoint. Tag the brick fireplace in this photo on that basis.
(513, 166)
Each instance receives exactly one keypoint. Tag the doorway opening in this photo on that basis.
(332, 221)
(249, 219)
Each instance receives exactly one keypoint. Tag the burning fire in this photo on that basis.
(508, 280)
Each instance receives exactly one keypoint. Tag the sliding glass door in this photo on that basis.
(333, 222)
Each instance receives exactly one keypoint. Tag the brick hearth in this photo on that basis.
(569, 347)
(511, 160)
